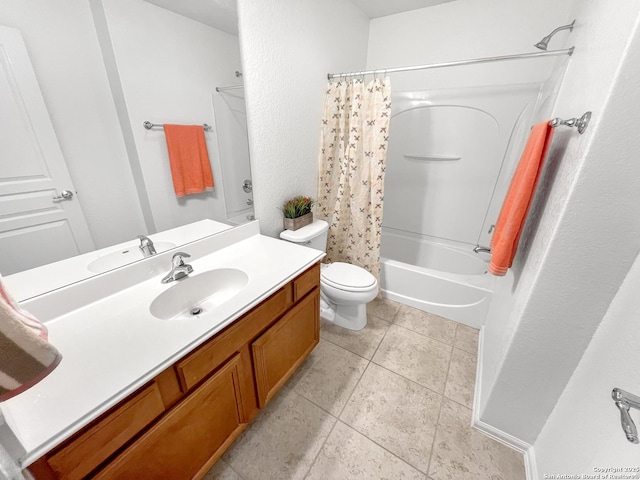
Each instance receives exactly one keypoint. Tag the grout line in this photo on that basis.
(350, 393)
(442, 397)
(354, 389)
(314, 403)
(380, 342)
(234, 471)
(338, 345)
(424, 336)
(408, 379)
(315, 458)
(355, 353)
(382, 447)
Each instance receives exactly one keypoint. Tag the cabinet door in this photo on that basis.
(190, 438)
(98, 442)
(282, 348)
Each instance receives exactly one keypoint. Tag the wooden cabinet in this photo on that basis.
(280, 350)
(179, 424)
(191, 437)
(106, 436)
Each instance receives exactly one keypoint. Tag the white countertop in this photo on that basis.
(112, 346)
(39, 280)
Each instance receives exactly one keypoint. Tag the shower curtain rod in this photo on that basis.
(549, 53)
(232, 87)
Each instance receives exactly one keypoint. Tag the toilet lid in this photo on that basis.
(347, 277)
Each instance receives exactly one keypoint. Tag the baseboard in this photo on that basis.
(509, 440)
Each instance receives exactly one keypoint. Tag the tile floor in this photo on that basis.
(392, 401)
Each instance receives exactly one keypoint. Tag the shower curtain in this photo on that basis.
(354, 138)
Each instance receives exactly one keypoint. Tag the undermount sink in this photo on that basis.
(199, 293)
(122, 257)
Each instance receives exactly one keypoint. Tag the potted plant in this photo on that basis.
(297, 212)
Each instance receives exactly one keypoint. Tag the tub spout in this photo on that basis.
(478, 249)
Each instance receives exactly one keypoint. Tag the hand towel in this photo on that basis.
(25, 355)
(188, 158)
(513, 214)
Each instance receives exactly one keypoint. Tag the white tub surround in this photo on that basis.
(112, 344)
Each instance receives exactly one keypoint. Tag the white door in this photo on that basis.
(40, 217)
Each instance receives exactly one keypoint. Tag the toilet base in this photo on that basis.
(352, 317)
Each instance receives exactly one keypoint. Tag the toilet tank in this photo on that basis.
(313, 235)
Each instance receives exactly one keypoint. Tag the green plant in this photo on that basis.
(297, 206)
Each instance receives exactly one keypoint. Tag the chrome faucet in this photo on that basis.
(478, 249)
(179, 269)
(146, 246)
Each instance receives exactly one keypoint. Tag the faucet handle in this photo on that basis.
(146, 246)
(178, 259)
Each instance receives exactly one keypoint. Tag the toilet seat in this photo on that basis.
(347, 277)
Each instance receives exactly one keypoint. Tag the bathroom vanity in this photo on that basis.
(166, 397)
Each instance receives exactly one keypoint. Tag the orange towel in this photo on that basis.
(189, 160)
(516, 203)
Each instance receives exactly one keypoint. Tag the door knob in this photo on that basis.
(247, 186)
(64, 195)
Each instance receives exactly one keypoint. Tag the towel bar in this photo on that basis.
(149, 125)
(580, 123)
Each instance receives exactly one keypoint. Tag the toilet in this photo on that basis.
(345, 289)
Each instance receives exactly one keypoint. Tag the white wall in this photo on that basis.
(583, 234)
(467, 29)
(288, 48)
(169, 66)
(63, 47)
(585, 413)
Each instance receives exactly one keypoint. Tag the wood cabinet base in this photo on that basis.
(178, 425)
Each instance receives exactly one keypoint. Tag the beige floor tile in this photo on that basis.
(463, 453)
(396, 413)
(428, 324)
(348, 455)
(383, 308)
(221, 471)
(328, 376)
(282, 441)
(415, 357)
(466, 339)
(462, 377)
(363, 342)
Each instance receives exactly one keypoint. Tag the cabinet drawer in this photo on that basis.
(282, 348)
(191, 437)
(102, 439)
(212, 354)
(306, 282)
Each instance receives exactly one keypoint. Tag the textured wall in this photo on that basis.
(288, 47)
(585, 412)
(582, 235)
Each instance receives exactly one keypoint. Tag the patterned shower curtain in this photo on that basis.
(354, 137)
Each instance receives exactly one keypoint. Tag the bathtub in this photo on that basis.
(434, 276)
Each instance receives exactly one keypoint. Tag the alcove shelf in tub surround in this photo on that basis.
(112, 344)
